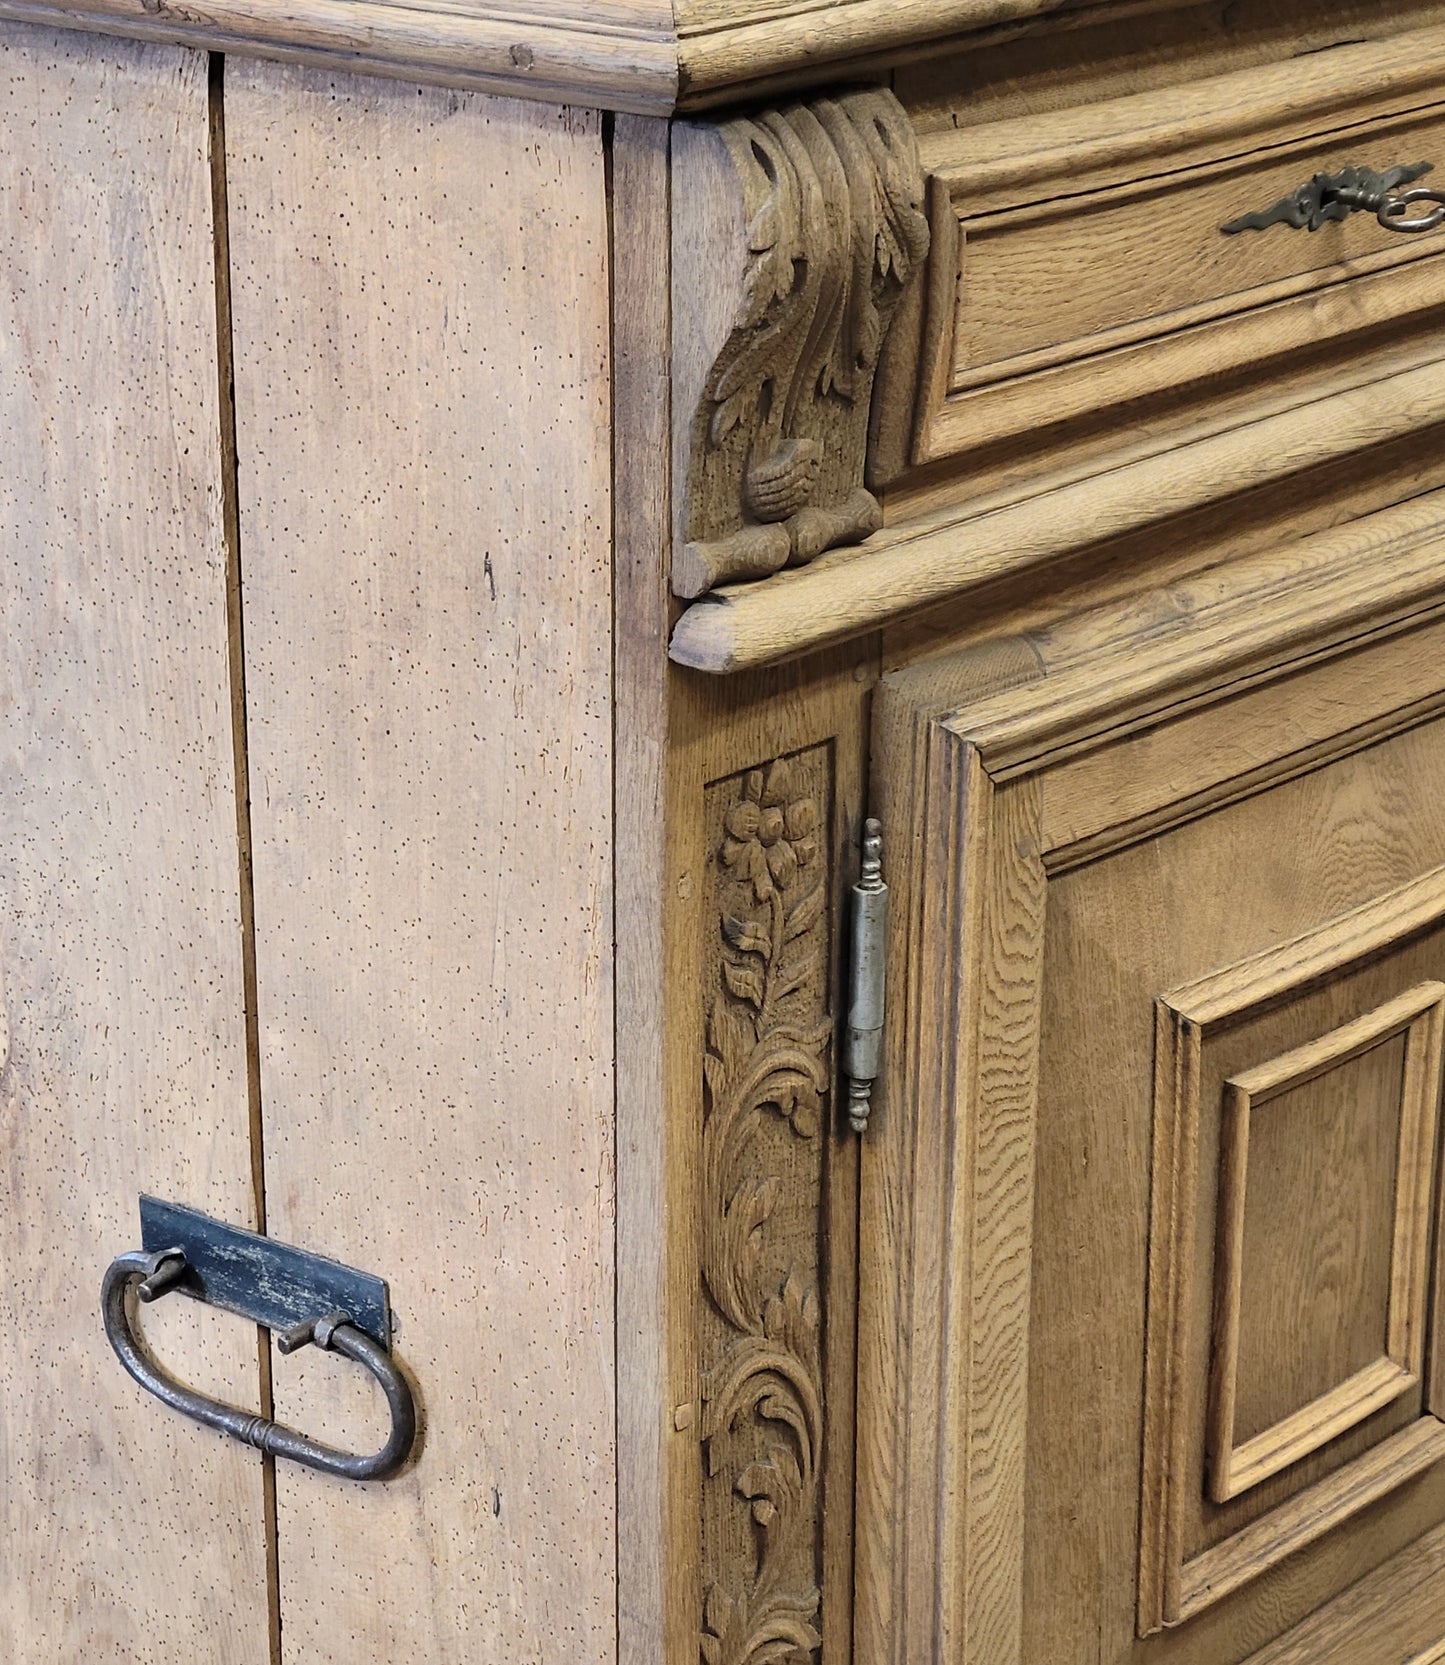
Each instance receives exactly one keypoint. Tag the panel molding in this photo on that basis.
(956, 1322)
(1021, 170)
(1371, 1622)
(1309, 1516)
(1173, 1585)
(943, 556)
(650, 57)
(1417, 1014)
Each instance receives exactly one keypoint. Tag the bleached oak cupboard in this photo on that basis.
(492, 500)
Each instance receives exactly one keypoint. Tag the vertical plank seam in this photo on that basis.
(235, 638)
(607, 137)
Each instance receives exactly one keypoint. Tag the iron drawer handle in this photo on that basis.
(155, 1274)
(1353, 190)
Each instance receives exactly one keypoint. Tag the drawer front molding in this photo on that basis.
(1128, 196)
(817, 208)
(766, 1080)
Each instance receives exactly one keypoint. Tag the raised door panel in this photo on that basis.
(126, 1532)
(1152, 1255)
(420, 320)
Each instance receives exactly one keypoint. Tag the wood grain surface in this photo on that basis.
(1305, 1275)
(603, 53)
(1129, 194)
(788, 1161)
(128, 1532)
(1211, 118)
(1157, 895)
(1389, 1616)
(421, 320)
(657, 965)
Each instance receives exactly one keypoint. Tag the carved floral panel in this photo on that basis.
(767, 1074)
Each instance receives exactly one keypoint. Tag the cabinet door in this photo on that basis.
(126, 1533)
(1153, 1332)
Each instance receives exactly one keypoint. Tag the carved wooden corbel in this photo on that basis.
(775, 354)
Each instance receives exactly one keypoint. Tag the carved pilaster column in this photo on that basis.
(766, 1089)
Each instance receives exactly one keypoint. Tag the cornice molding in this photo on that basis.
(652, 57)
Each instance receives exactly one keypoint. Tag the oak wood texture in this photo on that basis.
(950, 553)
(958, 1317)
(1303, 1520)
(768, 1111)
(128, 1533)
(689, 1569)
(1002, 1487)
(420, 303)
(1129, 195)
(764, 783)
(605, 53)
(658, 1466)
(1387, 1616)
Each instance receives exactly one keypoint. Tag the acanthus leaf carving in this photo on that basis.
(766, 1066)
(833, 196)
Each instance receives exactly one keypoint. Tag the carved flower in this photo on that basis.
(770, 833)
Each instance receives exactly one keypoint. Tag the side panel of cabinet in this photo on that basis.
(126, 1533)
(1152, 1256)
(420, 326)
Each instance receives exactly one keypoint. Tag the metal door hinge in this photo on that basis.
(863, 1042)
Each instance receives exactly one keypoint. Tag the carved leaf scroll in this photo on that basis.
(766, 1080)
(833, 196)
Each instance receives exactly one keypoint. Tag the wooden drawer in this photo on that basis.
(1078, 260)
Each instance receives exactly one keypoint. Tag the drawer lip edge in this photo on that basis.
(914, 566)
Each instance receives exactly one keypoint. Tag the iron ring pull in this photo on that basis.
(1394, 212)
(157, 1273)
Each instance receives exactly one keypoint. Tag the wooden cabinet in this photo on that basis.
(491, 500)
